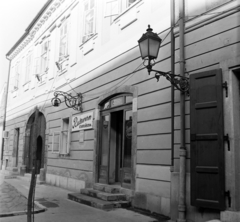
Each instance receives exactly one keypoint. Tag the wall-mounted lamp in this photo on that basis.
(59, 66)
(149, 45)
(74, 102)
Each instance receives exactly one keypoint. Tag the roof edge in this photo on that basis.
(29, 27)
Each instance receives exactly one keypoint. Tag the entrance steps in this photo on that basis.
(10, 173)
(102, 196)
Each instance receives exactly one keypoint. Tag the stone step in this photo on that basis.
(103, 195)
(106, 188)
(97, 203)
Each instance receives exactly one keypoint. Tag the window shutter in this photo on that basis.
(207, 148)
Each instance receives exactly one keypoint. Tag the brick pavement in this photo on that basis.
(12, 202)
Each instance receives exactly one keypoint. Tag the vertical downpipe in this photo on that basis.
(183, 152)
(5, 111)
(172, 71)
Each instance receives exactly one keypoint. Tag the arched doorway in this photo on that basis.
(34, 134)
(115, 147)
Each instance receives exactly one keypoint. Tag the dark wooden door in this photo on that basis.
(104, 151)
(34, 130)
(207, 150)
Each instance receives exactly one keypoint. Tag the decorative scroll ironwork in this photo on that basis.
(180, 82)
(74, 102)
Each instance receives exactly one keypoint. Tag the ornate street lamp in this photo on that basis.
(149, 45)
(74, 102)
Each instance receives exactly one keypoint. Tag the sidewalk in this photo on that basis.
(60, 209)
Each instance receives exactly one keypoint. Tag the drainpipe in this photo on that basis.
(5, 111)
(183, 152)
(172, 71)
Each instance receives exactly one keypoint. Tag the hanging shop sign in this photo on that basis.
(82, 121)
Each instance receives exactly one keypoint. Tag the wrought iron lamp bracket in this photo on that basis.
(74, 102)
(180, 82)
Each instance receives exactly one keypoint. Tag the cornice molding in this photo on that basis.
(37, 26)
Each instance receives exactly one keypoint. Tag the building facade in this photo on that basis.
(127, 130)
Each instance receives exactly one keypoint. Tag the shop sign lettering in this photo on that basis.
(82, 121)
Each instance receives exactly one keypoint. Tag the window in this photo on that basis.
(45, 48)
(16, 77)
(28, 66)
(115, 7)
(196, 8)
(55, 142)
(65, 136)
(63, 48)
(89, 19)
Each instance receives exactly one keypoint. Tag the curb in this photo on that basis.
(16, 213)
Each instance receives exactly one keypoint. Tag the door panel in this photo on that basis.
(207, 148)
(115, 146)
(104, 155)
(115, 156)
(127, 150)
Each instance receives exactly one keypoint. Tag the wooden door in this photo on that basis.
(207, 150)
(104, 152)
(127, 149)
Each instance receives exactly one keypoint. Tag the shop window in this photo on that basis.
(65, 136)
(56, 142)
(89, 19)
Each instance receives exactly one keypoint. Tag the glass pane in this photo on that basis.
(106, 105)
(130, 2)
(128, 140)
(153, 48)
(117, 101)
(104, 143)
(144, 48)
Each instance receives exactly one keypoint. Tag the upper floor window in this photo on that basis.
(63, 51)
(89, 19)
(116, 7)
(28, 66)
(16, 77)
(196, 8)
(45, 49)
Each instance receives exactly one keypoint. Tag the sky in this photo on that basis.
(15, 16)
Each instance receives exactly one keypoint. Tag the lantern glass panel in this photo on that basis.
(153, 48)
(144, 48)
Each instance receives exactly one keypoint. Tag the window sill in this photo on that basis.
(126, 10)
(64, 156)
(94, 36)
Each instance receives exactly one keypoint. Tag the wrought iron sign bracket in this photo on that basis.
(180, 82)
(74, 102)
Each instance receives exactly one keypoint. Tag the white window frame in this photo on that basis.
(16, 76)
(65, 140)
(88, 20)
(53, 141)
(28, 66)
(45, 51)
(114, 8)
(63, 44)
